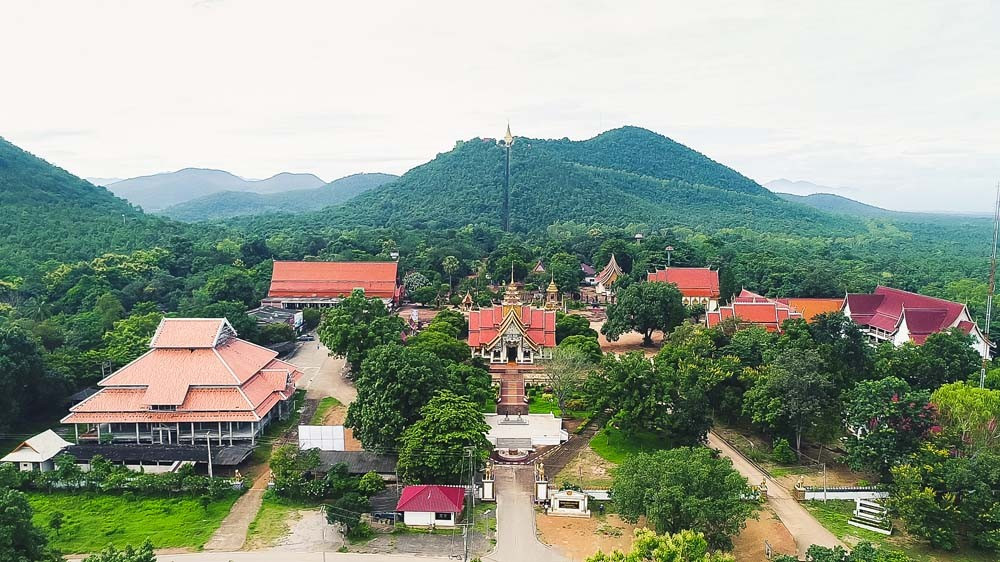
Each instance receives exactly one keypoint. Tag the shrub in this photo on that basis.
(783, 453)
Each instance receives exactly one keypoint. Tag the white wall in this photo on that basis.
(834, 494)
(425, 519)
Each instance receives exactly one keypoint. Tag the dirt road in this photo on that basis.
(799, 522)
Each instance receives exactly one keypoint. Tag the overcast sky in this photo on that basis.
(898, 101)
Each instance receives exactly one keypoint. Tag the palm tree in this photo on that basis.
(450, 266)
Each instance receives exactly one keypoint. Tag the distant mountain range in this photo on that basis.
(159, 191)
(103, 182)
(842, 205)
(226, 204)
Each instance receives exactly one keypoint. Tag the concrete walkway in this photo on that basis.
(799, 522)
(516, 536)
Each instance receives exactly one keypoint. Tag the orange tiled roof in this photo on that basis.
(190, 332)
(234, 380)
(691, 281)
(811, 308)
(326, 279)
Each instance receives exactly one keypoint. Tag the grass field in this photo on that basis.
(613, 445)
(93, 521)
(324, 407)
(272, 521)
(538, 404)
(834, 515)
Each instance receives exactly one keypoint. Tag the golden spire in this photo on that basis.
(552, 285)
(508, 138)
(512, 297)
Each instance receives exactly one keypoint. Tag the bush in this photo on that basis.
(783, 452)
(361, 532)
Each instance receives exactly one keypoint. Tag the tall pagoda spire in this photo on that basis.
(508, 140)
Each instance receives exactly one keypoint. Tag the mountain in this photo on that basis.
(802, 187)
(50, 214)
(842, 205)
(103, 182)
(159, 191)
(625, 176)
(641, 151)
(226, 204)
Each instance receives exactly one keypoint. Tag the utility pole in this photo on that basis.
(469, 528)
(208, 443)
(989, 297)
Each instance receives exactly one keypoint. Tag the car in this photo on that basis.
(306, 337)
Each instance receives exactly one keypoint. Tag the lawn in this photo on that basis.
(613, 445)
(834, 514)
(92, 521)
(322, 409)
(539, 403)
(272, 521)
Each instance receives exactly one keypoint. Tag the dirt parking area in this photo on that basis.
(587, 470)
(309, 532)
(578, 537)
(749, 544)
(631, 341)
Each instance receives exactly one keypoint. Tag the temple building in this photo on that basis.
(308, 284)
(751, 309)
(900, 316)
(813, 307)
(198, 381)
(513, 332)
(698, 285)
(607, 277)
(552, 301)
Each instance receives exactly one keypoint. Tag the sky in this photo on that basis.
(896, 103)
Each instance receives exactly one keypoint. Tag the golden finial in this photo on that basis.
(508, 138)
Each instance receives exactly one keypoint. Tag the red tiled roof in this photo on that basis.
(691, 281)
(321, 279)
(539, 324)
(751, 308)
(886, 308)
(430, 498)
(587, 270)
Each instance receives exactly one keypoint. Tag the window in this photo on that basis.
(163, 408)
(439, 516)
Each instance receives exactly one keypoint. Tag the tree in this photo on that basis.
(275, 332)
(565, 373)
(945, 357)
(445, 346)
(433, 450)
(452, 318)
(129, 338)
(56, 519)
(565, 272)
(471, 380)
(370, 484)
(791, 394)
(572, 325)
(644, 308)
(357, 325)
(450, 265)
(20, 369)
(647, 546)
(971, 414)
(589, 347)
(628, 387)
(887, 421)
(394, 384)
(20, 541)
(311, 317)
(684, 488)
(144, 553)
(863, 552)
(233, 311)
(110, 309)
(289, 466)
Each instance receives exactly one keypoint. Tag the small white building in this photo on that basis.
(431, 505)
(522, 432)
(38, 452)
(569, 503)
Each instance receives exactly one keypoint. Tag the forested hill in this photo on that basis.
(50, 214)
(641, 151)
(465, 185)
(227, 204)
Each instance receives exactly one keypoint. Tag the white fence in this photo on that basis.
(845, 493)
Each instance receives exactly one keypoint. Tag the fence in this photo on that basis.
(841, 493)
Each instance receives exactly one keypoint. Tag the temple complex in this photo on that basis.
(751, 309)
(513, 332)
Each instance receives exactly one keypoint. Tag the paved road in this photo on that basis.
(799, 522)
(516, 537)
(323, 373)
(285, 556)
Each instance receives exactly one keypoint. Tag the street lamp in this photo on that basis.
(669, 250)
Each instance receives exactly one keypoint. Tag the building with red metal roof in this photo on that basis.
(698, 285)
(751, 309)
(304, 284)
(901, 316)
(428, 505)
(197, 381)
